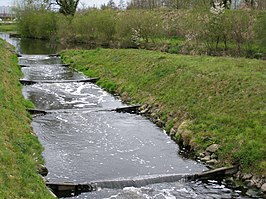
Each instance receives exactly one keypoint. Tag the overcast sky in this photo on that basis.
(87, 2)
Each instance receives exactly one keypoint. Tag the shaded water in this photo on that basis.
(89, 142)
(36, 46)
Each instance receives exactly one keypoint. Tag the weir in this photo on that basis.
(66, 189)
(30, 82)
(126, 109)
(55, 65)
(92, 142)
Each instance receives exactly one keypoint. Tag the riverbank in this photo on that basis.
(19, 147)
(8, 27)
(200, 101)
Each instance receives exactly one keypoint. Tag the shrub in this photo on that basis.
(94, 26)
(260, 29)
(38, 24)
(136, 27)
(241, 29)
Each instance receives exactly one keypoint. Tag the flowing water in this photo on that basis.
(85, 141)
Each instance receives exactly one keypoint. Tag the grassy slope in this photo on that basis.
(224, 97)
(20, 151)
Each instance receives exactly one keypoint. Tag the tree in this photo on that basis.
(225, 3)
(111, 4)
(32, 4)
(178, 4)
(262, 4)
(67, 7)
(122, 5)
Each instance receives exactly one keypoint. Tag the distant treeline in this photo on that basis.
(217, 31)
(181, 4)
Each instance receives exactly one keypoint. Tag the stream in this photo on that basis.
(86, 141)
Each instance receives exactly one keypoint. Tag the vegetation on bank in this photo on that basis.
(7, 27)
(223, 97)
(20, 151)
(186, 31)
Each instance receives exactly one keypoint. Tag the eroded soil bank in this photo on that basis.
(214, 106)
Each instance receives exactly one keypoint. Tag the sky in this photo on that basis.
(87, 2)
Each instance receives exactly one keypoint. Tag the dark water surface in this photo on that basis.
(88, 142)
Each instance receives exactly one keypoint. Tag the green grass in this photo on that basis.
(224, 97)
(20, 151)
(8, 27)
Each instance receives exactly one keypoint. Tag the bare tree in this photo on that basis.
(111, 4)
(177, 4)
(122, 5)
(261, 4)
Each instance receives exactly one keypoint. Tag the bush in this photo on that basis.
(93, 26)
(261, 30)
(241, 30)
(38, 24)
(228, 33)
(136, 27)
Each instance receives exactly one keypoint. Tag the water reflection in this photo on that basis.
(37, 46)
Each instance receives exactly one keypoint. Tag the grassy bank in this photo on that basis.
(8, 27)
(223, 97)
(20, 151)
